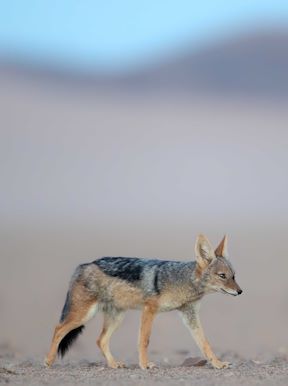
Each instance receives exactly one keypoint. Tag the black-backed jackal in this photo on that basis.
(115, 284)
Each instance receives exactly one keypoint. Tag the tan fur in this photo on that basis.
(126, 296)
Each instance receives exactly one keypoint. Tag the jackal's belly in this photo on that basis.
(126, 297)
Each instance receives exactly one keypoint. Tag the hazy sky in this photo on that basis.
(113, 34)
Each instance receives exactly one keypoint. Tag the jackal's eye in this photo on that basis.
(222, 275)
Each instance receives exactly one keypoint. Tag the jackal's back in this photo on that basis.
(151, 275)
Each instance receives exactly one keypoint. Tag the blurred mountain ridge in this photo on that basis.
(253, 64)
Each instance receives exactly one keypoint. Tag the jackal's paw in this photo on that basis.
(116, 365)
(149, 365)
(47, 362)
(220, 365)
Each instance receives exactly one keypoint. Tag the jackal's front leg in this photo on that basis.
(191, 319)
(148, 315)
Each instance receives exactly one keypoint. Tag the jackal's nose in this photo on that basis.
(239, 292)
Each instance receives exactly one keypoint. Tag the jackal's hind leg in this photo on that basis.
(112, 321)
(69, 328)
(61, 330)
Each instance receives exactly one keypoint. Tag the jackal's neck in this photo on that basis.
(197, 281)
(191, 282)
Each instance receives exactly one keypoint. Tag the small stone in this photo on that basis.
(4, 370)
(197, 361)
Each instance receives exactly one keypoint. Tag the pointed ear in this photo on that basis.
(204, 251)
(221, 250)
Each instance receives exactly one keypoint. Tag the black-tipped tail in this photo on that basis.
(68, 340)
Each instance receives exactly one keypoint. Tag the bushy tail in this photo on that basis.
(69, 338)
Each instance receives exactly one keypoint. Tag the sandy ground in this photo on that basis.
(258, 371)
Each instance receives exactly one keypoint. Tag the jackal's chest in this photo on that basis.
(174, 299)
(168, 305)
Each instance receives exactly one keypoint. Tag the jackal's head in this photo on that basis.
(214, 267)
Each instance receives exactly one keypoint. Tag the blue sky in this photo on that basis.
(113, 35)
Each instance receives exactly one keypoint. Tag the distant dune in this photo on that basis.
(253, 64)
